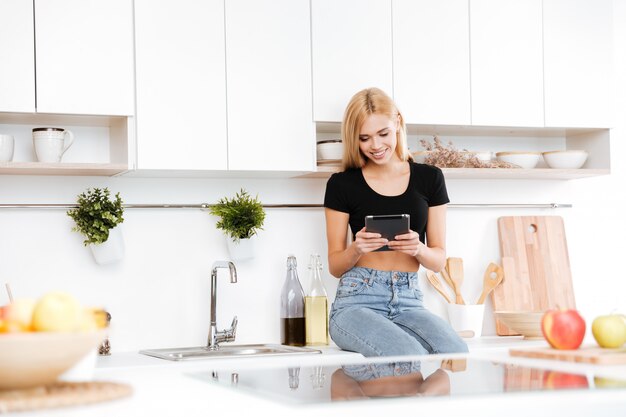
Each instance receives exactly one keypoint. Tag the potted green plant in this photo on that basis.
(241, 217)
(97, 218)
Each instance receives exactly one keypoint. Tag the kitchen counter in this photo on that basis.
(206, 387)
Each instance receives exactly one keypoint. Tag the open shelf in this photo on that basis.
(493, 139)
(101, 146)
(61, 168)
(325, 171)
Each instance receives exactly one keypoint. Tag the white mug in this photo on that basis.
(7, 145)
(51, 143)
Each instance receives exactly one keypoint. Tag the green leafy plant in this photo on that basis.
(241, 217)
(96, 214)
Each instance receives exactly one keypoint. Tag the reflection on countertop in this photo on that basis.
(416, 378)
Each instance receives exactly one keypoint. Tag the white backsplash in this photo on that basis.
(159, 295)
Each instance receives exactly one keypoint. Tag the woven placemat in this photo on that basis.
(62, 394)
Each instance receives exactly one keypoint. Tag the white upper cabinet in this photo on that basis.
(181, 84)
(431, 61)
(577, 62)
(17, 59)
(352, 50)
(268, 73)
(84, 56)
(506, 63)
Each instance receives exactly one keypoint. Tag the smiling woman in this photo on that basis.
(378, 310)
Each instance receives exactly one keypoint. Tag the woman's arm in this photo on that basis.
(342, 257)
(433, 255)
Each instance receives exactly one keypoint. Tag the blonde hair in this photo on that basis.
(363, 104)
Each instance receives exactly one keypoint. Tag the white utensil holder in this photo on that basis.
(467, 318)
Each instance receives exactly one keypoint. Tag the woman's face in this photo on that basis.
(377, 138)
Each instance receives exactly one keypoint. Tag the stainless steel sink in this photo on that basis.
(226, 351)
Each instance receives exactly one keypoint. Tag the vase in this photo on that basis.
(110, 251)
(241, 250)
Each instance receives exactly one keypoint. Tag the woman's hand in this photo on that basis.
(365, 242)
(408, 243)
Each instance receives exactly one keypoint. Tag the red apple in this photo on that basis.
(561, 380)
(563, 329)
(17, 316)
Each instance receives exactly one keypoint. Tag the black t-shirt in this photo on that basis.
(348, 192)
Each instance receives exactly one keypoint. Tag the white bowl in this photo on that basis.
(329, 150)
(572, 159)
(526, 160)
(484, 156)
(32, 359)
(420, 156)
(526, 323)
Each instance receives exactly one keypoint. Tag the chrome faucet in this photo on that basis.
(228, 335)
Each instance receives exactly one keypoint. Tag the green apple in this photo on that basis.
(601, 382)
(57, 312)
(609, 331)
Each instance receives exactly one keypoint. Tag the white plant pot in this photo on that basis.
(110, 251)
(242, 250)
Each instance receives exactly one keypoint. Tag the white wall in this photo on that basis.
(159, 295)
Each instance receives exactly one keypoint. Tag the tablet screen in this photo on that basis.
(388, 226)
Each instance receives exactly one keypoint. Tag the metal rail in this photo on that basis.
(270, 206)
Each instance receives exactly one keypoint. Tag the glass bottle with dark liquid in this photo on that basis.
(292, 307)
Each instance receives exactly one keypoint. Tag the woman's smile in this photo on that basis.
(379, 154)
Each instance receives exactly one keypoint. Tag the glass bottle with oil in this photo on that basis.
(292, 307)
(316, 306)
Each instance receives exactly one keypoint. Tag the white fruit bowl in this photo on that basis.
(572, 159)
(526, 160)
(33, 359)
(526, 323)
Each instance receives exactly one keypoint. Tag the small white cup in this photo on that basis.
(51, 143)
(7, 146)
(467, 318)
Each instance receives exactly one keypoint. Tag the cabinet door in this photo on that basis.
(84, 56)
(181, 84)
(352, 50)
(431, 61)
(268, 72)
(17, 60)
(577, 62)
(506, 62)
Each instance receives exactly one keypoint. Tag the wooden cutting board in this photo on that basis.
(593, 355)
(537, 274)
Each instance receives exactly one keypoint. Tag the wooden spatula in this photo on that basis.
(455, 270)
(434, 281)
(493, 278)
(446, 277)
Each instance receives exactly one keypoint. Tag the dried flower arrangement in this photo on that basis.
(443, 156)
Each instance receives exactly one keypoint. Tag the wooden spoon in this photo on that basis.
(434, 281)
(454, 365)
(455, 270)
(493, 278)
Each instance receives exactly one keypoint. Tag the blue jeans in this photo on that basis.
(367, 371)
(380, 313)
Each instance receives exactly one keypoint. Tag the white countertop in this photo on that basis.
(165, 388)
